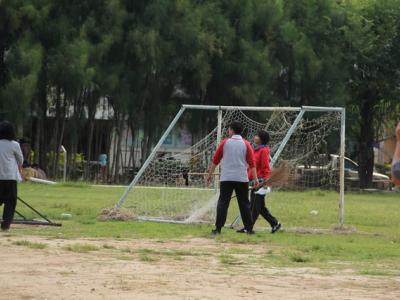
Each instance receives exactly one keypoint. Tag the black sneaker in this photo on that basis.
(216, 231)
(243, 230)
(276, 228)
(250, 231)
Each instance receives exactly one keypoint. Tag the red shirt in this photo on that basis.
(261, 155)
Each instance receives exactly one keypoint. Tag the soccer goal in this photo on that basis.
(172, 187)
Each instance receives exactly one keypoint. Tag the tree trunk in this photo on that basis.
(89, 147)
(3, 68)
(59, 143)
(118, 150)
(42, 115)
(366, 142)
(54, 141)
(60, 138)
(132, 159)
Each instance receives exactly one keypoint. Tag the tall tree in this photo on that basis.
(374, 63)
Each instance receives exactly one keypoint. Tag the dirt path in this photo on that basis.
(143, 269)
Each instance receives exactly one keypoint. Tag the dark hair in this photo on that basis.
(7, 131)
(236, 126)
(264, 136)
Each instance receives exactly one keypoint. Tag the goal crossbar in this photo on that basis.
(263, 108)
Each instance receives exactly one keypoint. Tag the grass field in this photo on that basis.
(371, 248)
(374, 216)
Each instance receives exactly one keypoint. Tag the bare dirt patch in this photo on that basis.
(151, 269)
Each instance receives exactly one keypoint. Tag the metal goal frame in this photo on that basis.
(220, 109)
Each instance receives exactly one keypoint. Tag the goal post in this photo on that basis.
(158, 192)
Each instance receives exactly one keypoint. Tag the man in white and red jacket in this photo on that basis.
(237, 156)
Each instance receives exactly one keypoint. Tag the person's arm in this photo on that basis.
(216, 160)
(396, 157)
(252, 163)
(18, 155)
(211, 172)
(265, 168)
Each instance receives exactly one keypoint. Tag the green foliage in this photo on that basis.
(68, 55)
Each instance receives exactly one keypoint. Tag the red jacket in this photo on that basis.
(261, 155)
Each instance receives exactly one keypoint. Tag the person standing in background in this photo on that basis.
(396, 159)
(103, 167)
(11, 160)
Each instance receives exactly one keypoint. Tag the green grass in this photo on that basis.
(228, 259)
(374, 216)
(81, 248)
(106, 246)
(29, 244)
(148, 258)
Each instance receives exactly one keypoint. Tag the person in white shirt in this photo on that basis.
(11, 160)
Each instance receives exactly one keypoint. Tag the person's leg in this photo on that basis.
(10, 202)
(255, 211)
(256, 206)
(226, 189)
(242, 195)
(273, 222)
(1, 192)
(267, 215)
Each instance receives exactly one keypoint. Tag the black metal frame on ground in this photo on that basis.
(23, 220)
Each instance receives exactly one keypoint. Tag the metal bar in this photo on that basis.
(33, 222)
(341, 171)
(19, 214)
(287, 137)
(219, 137)
(260, 108)
(249, 108)
(155, 219)
(65, 163)
(30, 207)
(151, 156)
(321, 108)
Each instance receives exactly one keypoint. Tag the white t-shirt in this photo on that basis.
(10, 158)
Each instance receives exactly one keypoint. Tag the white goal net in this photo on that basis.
(172, 187)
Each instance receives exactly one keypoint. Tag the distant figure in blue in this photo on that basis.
(103, 167)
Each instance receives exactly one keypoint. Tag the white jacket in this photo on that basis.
(10, 158)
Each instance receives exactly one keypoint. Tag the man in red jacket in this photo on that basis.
(237, 156)
(257, 198)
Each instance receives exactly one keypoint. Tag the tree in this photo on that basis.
(374, 64)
